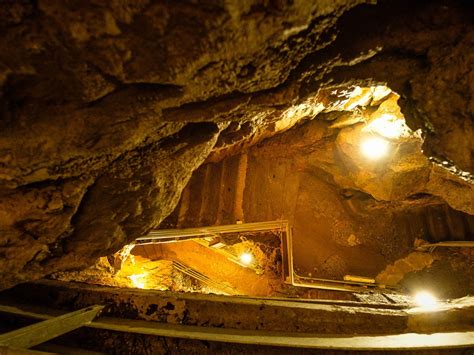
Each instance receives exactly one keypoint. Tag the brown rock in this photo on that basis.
(89, 89)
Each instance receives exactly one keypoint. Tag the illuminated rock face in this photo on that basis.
(96, 101)
(351, 214)
(66, 225)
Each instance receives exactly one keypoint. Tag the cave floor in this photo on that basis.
(149, 321)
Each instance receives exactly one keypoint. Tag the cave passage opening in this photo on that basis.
(368, 159)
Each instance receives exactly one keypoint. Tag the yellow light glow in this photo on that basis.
(246, 258)
(374, 148)
(425, 300)
(389, 126)
(138, 280)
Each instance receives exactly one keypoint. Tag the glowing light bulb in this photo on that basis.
(138, 280)
(425, 300)
(246, 258)
(374, 148)
(389, 126)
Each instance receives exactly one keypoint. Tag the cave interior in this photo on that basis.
(183, 177)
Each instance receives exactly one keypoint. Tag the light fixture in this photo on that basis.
(246, 258)
(426, 300)
(389, 126)
(138, 280)
(374, 147)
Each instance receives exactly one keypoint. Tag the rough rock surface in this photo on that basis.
(88, 88)
(66, 225)
(349, 216)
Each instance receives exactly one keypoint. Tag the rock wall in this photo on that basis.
(87, 88)
(139, 190)
(339, 228)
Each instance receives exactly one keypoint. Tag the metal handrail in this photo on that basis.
(165, 235)
(450, 244)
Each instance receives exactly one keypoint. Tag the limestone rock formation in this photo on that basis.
(68, 223)
(350, 215)
(97, 100)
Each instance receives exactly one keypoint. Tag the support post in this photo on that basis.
(41, 332)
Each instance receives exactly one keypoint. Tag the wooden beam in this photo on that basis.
(409, 341)
(41, 332)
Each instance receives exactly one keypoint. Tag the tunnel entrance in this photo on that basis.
(143, 145)
(352, 195)
(251, 259)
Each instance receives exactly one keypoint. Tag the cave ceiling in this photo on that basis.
(108, 107)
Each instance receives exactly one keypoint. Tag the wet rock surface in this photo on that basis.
(95, 101)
